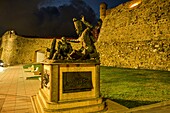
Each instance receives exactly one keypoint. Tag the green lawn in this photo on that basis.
(134, 87)
(26, 66)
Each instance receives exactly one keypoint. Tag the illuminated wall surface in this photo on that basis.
(17, 50)
(20, 50)
(133, 35)
(137, 37)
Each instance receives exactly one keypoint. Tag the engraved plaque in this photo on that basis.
(77, 81)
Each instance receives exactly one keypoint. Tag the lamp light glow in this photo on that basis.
(135, 3)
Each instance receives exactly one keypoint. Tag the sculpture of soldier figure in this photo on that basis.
(63, 50)
(87, 38)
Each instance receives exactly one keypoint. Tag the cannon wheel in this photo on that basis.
(52, 50)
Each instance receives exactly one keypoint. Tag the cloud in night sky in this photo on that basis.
(58, 20)
(17, 15)
(43, 18)
(26, 18)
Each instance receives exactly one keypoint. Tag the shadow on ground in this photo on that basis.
(132, 104)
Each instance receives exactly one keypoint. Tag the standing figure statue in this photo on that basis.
(87, 38)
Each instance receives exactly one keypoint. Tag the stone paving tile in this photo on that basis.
(2, 96)
(6, 109)
(15, 90)
(2, 100)
(8, 112)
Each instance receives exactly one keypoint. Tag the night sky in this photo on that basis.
(48, 18)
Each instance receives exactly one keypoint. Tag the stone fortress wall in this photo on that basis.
(137, 37)
(19, 50)
(16, 49)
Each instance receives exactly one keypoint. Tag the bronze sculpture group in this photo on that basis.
(87, 38)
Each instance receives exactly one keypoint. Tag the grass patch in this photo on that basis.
(33, 78)
(26, 66)
(134, 87)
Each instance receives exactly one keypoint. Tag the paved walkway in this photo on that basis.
(15, 90)
(162, 109)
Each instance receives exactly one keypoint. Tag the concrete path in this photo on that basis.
(15, 90)
(162, 107)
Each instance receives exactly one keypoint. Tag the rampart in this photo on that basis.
(137, 37)
(16, 49)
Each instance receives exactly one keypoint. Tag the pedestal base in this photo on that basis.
(42, 105)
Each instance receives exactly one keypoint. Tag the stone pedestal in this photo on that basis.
(69, 87)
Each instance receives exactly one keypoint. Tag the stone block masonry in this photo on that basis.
(137, 37)
(140, 54)
(19, 50)
(16, 49)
